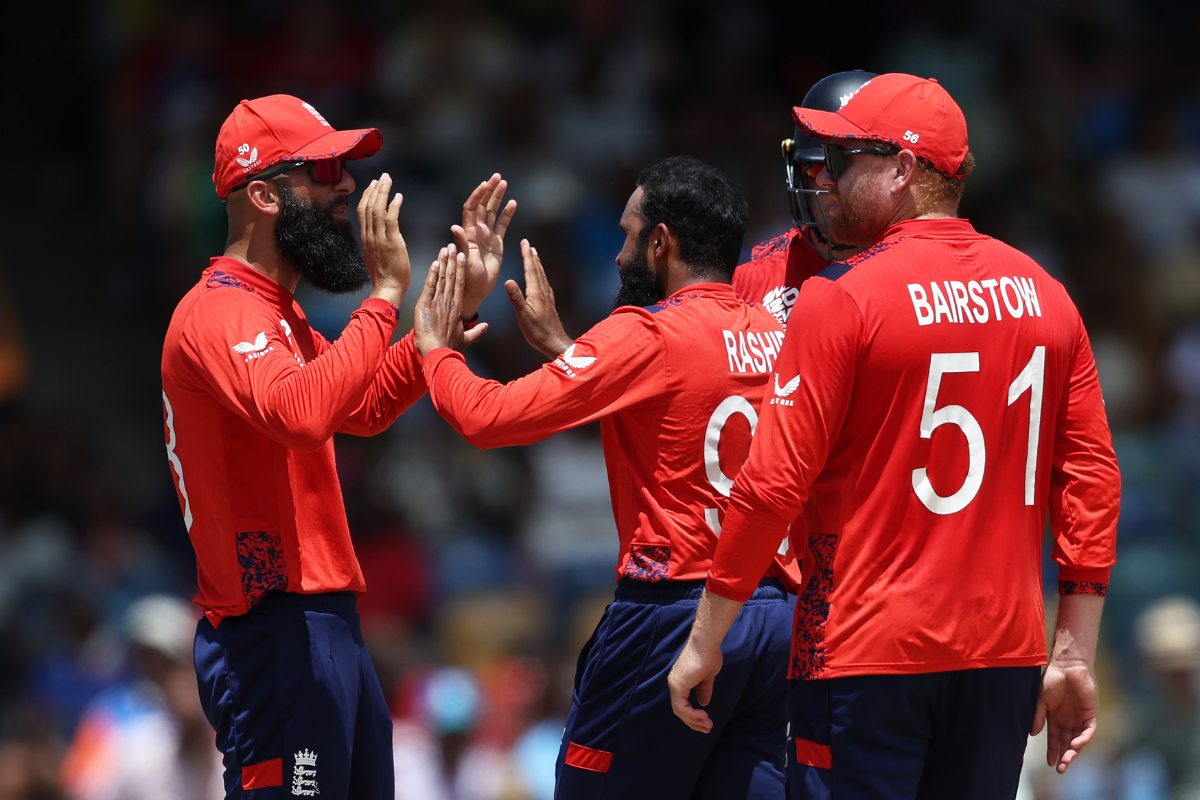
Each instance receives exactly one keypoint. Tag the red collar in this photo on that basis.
(694, 288)
(244, 273)
(942, 227)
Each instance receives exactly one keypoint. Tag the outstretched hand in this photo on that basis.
(1068, 702)
(535, 309)
(384, 251)
(481, 237)
(438, 319)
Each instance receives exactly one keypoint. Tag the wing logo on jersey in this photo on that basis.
(568, 361)
(788, 388)
(257, 349)
(785, 391)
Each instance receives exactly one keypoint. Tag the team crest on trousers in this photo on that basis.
(304, 775)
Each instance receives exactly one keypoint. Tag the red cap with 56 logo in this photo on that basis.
(268, 130)
(902, 110)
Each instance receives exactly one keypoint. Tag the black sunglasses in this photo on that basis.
(835, 157)
(324, 170)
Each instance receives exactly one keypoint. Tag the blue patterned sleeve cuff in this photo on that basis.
(1083, 587)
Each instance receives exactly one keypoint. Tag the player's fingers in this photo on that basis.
(460, 237)
(496, 194)
(704, 691)
(515, 297)
(364, 203)
(1039, 719)
(379, 206)
(505, 217)
(475, 334)
(443, 271)
(392, 219)
(460, 282)
(471, 206)
(540, 279)
(430, 287)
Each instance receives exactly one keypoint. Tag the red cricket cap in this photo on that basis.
(903, 110)
(268, 130)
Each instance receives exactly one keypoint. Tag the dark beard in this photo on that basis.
(321, 248)
(639, 284)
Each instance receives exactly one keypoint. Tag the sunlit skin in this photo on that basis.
(662, 252)
(871, 194)
(254, 209)
(816, 203)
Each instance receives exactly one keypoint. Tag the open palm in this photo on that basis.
(481, 237)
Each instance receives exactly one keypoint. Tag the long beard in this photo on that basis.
(639, 284)
(321, 248)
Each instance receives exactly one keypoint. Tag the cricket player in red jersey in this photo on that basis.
(935, 399)
(772, 272)
(676, 376)
(252, 397)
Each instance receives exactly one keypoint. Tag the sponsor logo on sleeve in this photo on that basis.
(568, 362)
(256, 349)
(785, 391)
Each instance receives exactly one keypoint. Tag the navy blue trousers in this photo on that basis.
(957, 735)
(623, 741)
(296, 704)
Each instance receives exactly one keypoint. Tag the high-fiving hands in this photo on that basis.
(384, 251)
(438, 319)
(535, 309)
(481, 239)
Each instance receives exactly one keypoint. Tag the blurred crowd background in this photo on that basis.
(488, 570)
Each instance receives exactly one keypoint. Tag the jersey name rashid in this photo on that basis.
(751, 351)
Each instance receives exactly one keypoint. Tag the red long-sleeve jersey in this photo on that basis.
(677, 388)
(935, 398)
(251, 398)
(774, 270)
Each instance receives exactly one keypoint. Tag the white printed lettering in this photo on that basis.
(1030, 294)
(769, 349)
(760, 364)
(731, 349)
(981, 315)
(960, 301)
(1018, 310)
(940, 306)
(950, 300)
(744, 355)
(990, 284)
(920, 304)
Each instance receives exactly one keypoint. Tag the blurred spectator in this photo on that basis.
(435, 756)
(148, 739)
(1168, 636)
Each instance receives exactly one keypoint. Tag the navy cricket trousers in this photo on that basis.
(623, 741)
(956, 735)
(295, 701)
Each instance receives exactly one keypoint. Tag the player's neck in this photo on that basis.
(677, 281)
(263, 255)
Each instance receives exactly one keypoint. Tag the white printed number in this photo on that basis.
(174, 459)
(734, 404)
(909, 136)
(1031, 377)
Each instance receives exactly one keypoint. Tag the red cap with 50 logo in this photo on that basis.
(902, 110)
(268, 130)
